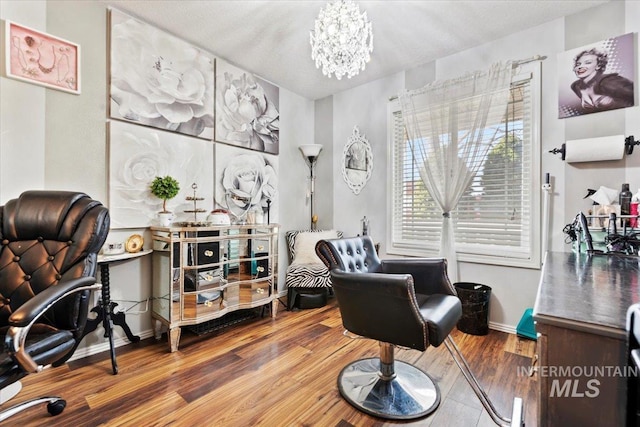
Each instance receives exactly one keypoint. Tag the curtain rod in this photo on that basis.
(526, 61)
(514, 65)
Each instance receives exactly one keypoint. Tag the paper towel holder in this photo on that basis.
(562, 150)
(629, 143)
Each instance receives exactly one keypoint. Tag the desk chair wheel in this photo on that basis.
(56, 407)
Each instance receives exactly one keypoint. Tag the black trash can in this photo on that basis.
(475, 307)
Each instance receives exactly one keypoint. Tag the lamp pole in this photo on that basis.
(312, 177)
(310, 152)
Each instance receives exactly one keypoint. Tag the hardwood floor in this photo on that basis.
(270, 372)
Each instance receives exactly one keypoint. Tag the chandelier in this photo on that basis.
(342, 41)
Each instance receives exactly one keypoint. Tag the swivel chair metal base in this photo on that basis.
(55, 406)
(517, 412)
(388, 389)
(396, 390)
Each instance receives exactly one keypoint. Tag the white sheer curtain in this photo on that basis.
(449, 129)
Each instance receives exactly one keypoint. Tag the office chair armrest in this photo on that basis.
(26, 315)
(32, 309)
(429, 274)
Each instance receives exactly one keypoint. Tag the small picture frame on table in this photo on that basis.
(40, 58)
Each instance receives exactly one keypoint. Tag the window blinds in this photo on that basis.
(494, 215)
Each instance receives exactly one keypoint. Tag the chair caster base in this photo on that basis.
(55, 406)
(410, 394)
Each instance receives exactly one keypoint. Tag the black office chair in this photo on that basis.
(399, 302)
(49, 241)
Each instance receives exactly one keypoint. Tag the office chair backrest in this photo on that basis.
(45, 237)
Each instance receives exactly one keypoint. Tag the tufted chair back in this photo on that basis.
(46, 236)
(373, 305)
(407, 302)
(352, 255)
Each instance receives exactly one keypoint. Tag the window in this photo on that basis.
(497, 220)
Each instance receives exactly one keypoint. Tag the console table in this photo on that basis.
(104, 309)
(204, 273)
(580, 315)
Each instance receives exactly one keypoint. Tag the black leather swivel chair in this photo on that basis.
(406, 302)
(49, 241)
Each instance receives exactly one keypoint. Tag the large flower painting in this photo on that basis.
(137, 155)
(246, 182)
(246, 110)
(159, 80)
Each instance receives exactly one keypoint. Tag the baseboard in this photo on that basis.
(104, 346)
(502, 327)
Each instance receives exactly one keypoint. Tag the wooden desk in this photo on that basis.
(104, 310)
(580, 315)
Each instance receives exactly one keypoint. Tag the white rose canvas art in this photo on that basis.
(247, 183)
(137, 155)
(159, 80)
(246, 110)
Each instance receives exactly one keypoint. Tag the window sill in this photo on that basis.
(502, 261)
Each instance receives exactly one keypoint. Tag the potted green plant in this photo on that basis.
(165, 188)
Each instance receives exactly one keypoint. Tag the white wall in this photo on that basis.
(324, 172)
(296, 129)
(366, 107)
(76, 125)
(514, 289)
(22, 113)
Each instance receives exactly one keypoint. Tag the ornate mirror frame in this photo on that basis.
(357, 161)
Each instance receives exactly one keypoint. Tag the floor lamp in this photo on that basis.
(310, 152)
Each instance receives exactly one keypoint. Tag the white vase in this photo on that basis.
(165, 218)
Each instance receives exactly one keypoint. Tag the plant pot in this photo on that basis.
(165, 218)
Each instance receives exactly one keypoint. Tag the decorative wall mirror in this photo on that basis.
(357, 161)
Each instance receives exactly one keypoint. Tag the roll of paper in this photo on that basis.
(595, 149)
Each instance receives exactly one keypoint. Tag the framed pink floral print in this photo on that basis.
(36, 57)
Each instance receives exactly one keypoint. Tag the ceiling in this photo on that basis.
(271, 38)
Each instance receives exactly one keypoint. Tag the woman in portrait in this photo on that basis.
(599, 91)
